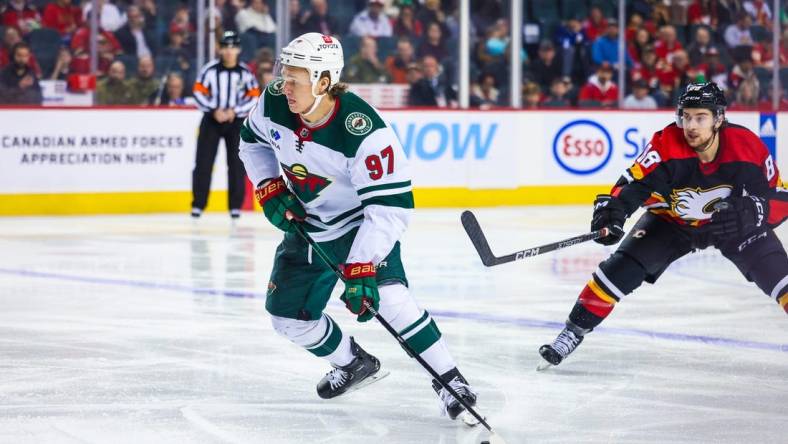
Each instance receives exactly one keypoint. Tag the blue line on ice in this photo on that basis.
(481, 317)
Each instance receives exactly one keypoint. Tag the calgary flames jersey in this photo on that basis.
(669, 180)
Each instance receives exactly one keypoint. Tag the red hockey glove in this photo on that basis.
(278, 202)
(360, 287)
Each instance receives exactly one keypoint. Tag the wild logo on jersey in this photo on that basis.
(694, 204)
(306, 185)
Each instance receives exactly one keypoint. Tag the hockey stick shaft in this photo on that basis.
(479, 240)
(330, 263)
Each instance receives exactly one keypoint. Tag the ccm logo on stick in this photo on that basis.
(582, 147)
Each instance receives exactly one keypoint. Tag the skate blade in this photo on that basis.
(543, 365)
(369, 380)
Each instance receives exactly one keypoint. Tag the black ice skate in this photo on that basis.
(455, 380)
(361, 371)
(566, 342)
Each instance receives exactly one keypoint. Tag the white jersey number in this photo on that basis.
(769, 168)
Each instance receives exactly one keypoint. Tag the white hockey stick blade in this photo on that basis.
(369, 380)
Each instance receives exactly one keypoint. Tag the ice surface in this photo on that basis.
(130, 329)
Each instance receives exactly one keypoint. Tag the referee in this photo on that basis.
(225, 91)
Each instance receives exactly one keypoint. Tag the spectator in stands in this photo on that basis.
(62, 67)
(181, 22)
(62, 16)
(700, 45)
(414, 73)
(144, 85)
(228, 11)
(760, 12)
(491, 51)
(433, 43)
(176, 50)
(318, 19)
(738, 34)
(747, 94)
(108, 49)
(546, 67)
(762, 52)
(532, 95)
(640, 98)
(431, 11)
(114, 89)
(634, 24)
(714, 70)
(255, 17)
(406, 24)
(484, 94)
(173, 92)
(296, 18)
(148, 9)
(397, 65)
(605, 47)
(600, 89)
(365, 67)
(703, 12)
(432, 89)
(371, 21)
(133, 37)
(742, 71)
(559, 94)
(484, 14)
(110, 17)
(264, 72)
(647, 68)
(641, 40)
(667, 44)
(10, 38)
(22, 16)
(676, 75)
(18, 83)
(595, 25)
(575, 56)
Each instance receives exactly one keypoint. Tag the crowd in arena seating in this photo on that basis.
(146, 48)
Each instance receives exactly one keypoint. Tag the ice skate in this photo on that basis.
(455, 380)
(363, 370)
(566, 342)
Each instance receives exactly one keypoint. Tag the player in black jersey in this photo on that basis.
(704, 182)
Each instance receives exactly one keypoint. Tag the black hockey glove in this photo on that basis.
(610, 213)
(738, 216)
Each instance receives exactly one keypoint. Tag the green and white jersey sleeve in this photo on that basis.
(379, 173)
(255, 150)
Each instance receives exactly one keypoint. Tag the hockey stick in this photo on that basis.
(479, 241)
(329, 261)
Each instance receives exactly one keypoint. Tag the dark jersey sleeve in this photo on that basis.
(647, 175)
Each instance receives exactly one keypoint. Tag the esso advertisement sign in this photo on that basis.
(582, 147)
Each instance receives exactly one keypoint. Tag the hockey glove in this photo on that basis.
(278, 202)
(609, 212)
(738, 216)
(360, 287)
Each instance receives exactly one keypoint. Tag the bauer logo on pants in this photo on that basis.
(582, 147)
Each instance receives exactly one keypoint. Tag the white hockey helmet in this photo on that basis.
(316, 53)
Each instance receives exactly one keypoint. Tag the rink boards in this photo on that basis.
(92, 161)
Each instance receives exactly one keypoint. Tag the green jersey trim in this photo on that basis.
(401, 200)
(385, 186)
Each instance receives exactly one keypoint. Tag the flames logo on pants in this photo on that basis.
(694, 204)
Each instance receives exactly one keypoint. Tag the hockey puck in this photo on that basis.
(485, 442)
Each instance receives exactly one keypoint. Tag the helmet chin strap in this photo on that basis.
(318, 99)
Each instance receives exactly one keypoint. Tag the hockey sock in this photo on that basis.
(592, 306)
(416, 326)
(323, 338)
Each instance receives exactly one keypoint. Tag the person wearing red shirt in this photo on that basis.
(108, 48)
(647, 68)
(595, 25)
(62, 16)
(600, 87)
(703, 12)
(21, 16)
(667, 44)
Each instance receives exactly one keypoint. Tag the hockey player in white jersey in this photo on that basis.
(324, 158)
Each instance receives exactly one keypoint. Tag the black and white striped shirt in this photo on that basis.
(220, 87)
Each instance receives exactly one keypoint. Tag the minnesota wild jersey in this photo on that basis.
(349, 171)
